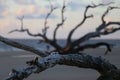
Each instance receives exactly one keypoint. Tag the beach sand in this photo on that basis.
(17, 59)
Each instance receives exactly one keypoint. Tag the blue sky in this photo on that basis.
(36, 10)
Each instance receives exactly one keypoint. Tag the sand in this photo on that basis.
(15, 59)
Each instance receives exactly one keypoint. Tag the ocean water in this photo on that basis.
(36, 43)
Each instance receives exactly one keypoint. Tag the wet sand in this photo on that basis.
(10, 60)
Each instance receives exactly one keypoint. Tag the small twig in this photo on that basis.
(25, 30)
(110, 32)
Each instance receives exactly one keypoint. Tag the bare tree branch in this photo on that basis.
(25, 30)
(62, 21)
(81, 61)
(84, 19)
(22, 46)
(109, 31)
(96, 45)
(113, 23)
(104, 24)
(107, 11)
(28, 32)
(45, 23)
(93, 34)
(100, 27)
(21, 20)
(46, 40)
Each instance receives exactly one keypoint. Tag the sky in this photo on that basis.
(35, 11)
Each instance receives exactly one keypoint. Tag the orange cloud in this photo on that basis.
(20, 12)
(32, 9)
(44, 10)
(5, 13)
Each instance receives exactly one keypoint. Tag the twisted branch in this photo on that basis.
(96, 45)
(84, 19)
(81, 61)
(101, 27)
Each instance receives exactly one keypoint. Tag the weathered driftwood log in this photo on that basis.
(107, 70)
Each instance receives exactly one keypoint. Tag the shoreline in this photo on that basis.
(9, 62)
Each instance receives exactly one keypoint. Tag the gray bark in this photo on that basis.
(99, 64)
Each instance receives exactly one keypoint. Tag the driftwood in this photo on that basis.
(72, 53)
(79, 60)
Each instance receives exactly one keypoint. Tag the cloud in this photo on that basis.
(48, 6)
(33, 9)
(34, 12)
(31, 16)
(50, 0)
(75, 6)
(43, 10)
(41, 16)
(1, 17)
(20, 12)
(4, 11)
(2, 8)
(52, 16)
(3, 1)
(24, 2)
(107, 1)
(23, 12)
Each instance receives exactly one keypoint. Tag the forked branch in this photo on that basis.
(62, 21)
(98, 32)
(52, 8)
(104, 24)
(46, 40)
(25, 30)
(84, 19)
(109, 31)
